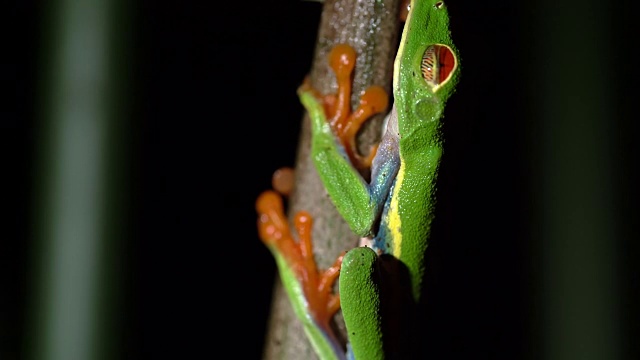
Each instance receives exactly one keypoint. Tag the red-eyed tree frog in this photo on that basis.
(393, 211)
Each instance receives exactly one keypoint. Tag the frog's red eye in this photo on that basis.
(438, 62)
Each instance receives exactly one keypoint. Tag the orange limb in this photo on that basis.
(274, 232)
(344, 122)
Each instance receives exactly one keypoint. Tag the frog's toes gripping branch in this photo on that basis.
(309, 290)
(344, 122)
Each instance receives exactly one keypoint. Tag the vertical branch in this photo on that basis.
(371, 28)
(79, 213)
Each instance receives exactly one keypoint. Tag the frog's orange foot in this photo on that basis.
(275, 233)
(344, 122)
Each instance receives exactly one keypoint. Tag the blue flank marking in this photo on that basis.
(383, 178)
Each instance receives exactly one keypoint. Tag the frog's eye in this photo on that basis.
(438, 63)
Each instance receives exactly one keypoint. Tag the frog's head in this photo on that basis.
(427, 66)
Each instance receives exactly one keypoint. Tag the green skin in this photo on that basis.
(396, 208)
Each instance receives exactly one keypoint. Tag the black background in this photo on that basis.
(214, 112)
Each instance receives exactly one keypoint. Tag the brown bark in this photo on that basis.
(371, 28)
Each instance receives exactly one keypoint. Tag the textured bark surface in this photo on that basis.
(372, 29)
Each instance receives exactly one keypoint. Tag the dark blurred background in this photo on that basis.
(541, 174)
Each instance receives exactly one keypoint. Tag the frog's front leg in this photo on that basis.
(345, 122)
(308, 289)
(333, 127)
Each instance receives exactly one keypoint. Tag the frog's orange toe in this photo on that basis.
(376, 98)
(283, 180)
(342, 59)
